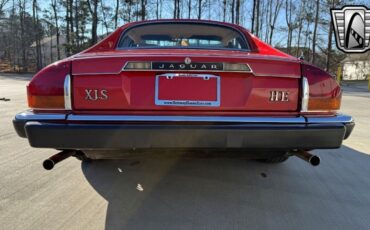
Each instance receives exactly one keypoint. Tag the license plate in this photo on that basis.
(187, 90)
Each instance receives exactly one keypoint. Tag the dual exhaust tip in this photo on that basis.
(49, 163)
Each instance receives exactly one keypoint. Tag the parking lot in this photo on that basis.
(176, 192)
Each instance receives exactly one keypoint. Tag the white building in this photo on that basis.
(356, 67)
(49, 49)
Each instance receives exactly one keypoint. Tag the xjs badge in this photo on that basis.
(96, 94)
(352, 28)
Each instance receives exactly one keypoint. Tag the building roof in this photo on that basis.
(357, 57)
(46, 40)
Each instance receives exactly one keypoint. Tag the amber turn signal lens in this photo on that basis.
(46, 102)
(327, 104)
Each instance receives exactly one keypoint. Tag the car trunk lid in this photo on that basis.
(100, 82)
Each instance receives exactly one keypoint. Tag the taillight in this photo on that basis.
(46, 102)
(320, 92)
(325, 104)
(50, 88)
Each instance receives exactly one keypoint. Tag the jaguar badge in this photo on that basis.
(187, 61)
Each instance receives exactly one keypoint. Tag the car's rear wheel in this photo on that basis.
(277, 157)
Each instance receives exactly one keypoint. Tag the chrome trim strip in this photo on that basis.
(186, 70)
(160, 102)
(67, 93)
(120, 55)
(305, 94)
(29, 115)
(106, 73)
(192, 71)
(72, 117)
(276, 75)
(339, 118)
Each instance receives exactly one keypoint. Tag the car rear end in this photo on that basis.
(195, 90)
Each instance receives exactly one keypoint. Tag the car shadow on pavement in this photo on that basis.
(222, 192)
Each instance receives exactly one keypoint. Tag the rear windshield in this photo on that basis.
(184, 36)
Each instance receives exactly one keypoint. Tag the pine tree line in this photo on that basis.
(298, 27)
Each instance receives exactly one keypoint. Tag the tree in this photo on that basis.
(237, 13)
(76, 40)
(299, 24)
(106, 16)
(56, 24)
(273, 17)
(308, 22)
(2, 4)
(289, 8)
(176, 9)
(224, 10)
(68, 19)
(315, 31)
(37, 34)
(253, 15)
(22, 13)
(157, 9)
(18, 32)
(70, 2)
(116, 12)
(301, 16)
(93, 8)
(143, 9)
(232, 11)
(332, 4)
(257, 18)
(199, 9)
(127, 13)
(189, 9)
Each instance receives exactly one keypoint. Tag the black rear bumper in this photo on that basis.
(59, 134)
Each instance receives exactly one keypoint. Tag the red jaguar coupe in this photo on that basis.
(183, 84)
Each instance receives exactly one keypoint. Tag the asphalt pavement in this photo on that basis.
(177, 192)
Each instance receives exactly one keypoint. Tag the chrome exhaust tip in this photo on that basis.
(308, 157)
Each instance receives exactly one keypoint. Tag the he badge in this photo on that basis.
(352, 28)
